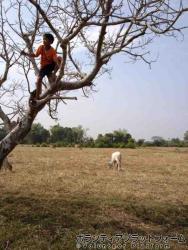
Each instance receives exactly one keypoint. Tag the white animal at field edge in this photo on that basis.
(116, 160)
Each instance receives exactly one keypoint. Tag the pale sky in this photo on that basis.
(146, 102)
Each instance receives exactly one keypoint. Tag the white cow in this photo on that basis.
(115, 160)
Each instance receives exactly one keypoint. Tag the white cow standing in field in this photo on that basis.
(115, 160)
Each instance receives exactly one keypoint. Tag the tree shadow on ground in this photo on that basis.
(38, 223)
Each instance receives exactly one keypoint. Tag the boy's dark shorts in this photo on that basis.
(47, 70)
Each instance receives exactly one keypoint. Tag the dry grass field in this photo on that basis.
(56, 194)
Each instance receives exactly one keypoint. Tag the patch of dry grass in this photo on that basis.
(56, 193)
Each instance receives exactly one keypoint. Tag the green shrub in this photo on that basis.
(130, 145)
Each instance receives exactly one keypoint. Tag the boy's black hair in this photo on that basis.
(49, 36)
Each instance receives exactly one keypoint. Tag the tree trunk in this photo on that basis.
(16, 135)
(6, 164)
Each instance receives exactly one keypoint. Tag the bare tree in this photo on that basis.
(91, 29)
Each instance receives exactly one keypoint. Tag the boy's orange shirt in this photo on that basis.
(47, 56)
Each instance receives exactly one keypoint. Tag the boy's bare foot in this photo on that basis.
(32, 99)
(33, 103)
(33, 94)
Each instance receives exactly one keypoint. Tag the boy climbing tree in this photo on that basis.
(48, 63)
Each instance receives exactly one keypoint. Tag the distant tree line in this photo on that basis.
(59, 136)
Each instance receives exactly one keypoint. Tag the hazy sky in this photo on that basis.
(146, 102)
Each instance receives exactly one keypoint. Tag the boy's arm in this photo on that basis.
(57, 59)
(36, 54)
(28, 54)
